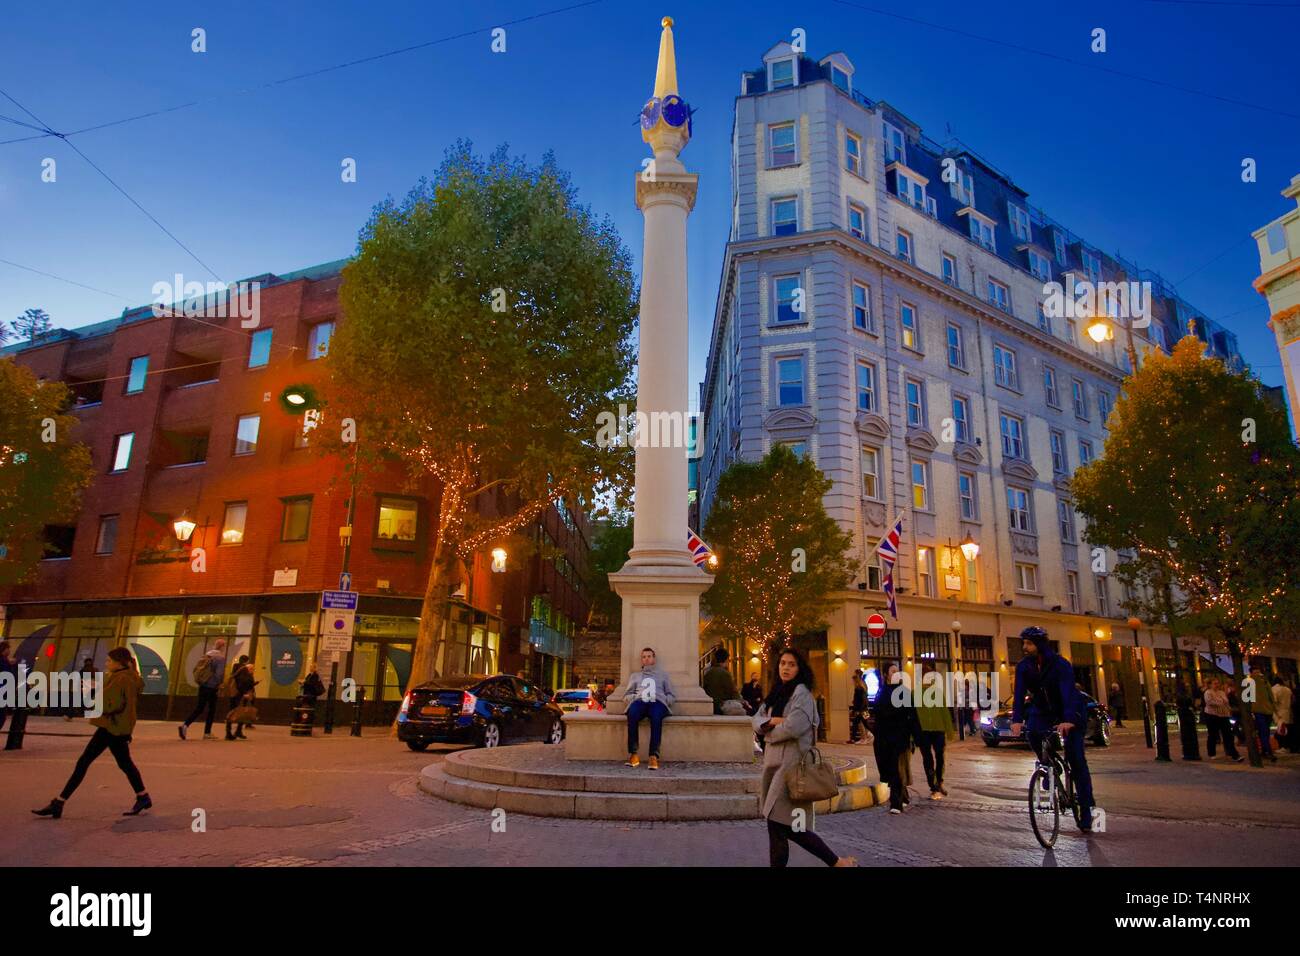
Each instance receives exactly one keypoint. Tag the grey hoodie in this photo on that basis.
(663, 687)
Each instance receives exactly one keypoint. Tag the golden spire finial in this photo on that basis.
(666, 74)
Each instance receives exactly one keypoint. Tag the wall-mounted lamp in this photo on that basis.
(183, 527)
(969, 548)
(498, 560)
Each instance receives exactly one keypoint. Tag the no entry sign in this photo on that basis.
(876, 625)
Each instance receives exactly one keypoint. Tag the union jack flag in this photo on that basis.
(888, 547)
(888, 588)
(700, 551)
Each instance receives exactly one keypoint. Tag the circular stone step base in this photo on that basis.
(535, 779)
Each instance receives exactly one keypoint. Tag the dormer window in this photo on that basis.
(781, 74)
(1018, 216)
(895, 145)
(840, 79)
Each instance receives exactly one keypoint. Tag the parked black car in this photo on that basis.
(477, 709)
(996, 728)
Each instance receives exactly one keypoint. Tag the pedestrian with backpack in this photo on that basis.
(208, 674)
(239, 690)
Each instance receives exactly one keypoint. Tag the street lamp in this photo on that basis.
(183, 527)
(956, 639)
(712, 561)
(1134, 623)
(969, 549)
(498, 560)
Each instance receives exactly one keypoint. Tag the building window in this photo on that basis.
(1080, 399)
(246, 429)
(871, 472)
(961, 418)
(966, 495)
(903, 243)
(1039, 267)
(1057, 440)
(1004, 367)
(866, 387)
(1103, 596)
(1092, 265)
(1013, 436)
(1071, 332)
(915, 403)
(857, 221)
(911, 330)
(963, 188)
(135, 378)
(782, 147)
(790, 381)
(1072, 591)
(1103, 405)
(1044, 321)
(1276, 237)
(1085, 451)
(956, 349)
(861, 307)
(931, 207)
(232, 524)
(787, 296)
(1058, 241)
(785, 216)
(259, 348)
(59, 539)
(1065, 519)
(122, 451)
(999, 295)
(910, 190)
(782, 73)
(106, 540)
(797, 448)
(318, 340)
(396, 521)
(982, 233)
(1019, 219)
(875, 579)
(949, 269)
(1026, 577)
(1049, 387)
(840, 78)
(925, 571)
(895, 145)
(920, 485)
(297, 519)
(1018, 509)
(852, 151)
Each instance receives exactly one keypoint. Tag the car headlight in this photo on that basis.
(986, 720)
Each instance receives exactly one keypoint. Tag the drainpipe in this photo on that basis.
(988, 431)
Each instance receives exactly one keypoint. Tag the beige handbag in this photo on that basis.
(811, 779)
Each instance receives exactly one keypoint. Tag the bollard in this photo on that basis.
(329, 699)
(1187, 731)
(1162, 732)
(356, 713)
(304, 716)
(17, 728)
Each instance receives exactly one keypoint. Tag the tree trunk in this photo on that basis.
(1247, 711)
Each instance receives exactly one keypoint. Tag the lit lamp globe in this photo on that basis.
(1134, 623)
(956, 627)
(1099, 331)
(712, 562)
(183, 527)
(498, 560)
(969, 549)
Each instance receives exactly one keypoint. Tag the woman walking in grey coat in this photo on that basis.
(787, 720)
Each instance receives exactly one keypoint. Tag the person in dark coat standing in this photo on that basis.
(752, 694)
(787, 720)
(240, 693)
(312, 686)
(1046, 700)
(1115, 700)
(858, 710)
(894, 723)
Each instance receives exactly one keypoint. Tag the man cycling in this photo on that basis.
(1046, 695)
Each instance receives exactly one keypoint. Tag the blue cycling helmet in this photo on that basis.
(1035, 634)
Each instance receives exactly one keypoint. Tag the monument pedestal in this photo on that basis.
(708, 739)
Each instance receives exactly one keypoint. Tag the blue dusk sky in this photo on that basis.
(248, 177)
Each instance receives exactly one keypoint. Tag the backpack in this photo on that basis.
(202, 671)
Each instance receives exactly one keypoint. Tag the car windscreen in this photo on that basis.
(572, 696)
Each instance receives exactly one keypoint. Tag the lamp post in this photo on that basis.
(1134, 623)
(956, 640)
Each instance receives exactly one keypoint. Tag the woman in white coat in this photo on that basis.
(787, 720)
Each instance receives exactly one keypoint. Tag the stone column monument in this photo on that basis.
(660, 584)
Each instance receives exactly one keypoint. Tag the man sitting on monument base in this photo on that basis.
(650, 693)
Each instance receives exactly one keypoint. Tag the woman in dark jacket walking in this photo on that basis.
(895, 724)
(121, 691)
(241, 694)
(787, 719)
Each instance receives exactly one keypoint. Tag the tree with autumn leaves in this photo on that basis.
(42, 470)
(488, 323)
(1201, 482)
(781, 556)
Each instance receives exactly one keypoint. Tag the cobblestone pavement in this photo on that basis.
(276, 800)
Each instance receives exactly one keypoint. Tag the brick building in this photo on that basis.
(183, 419)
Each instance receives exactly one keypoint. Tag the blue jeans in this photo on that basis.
(1078, 764)
(638, 711)
(1263, 730)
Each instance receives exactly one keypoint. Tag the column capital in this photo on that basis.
(654, 187)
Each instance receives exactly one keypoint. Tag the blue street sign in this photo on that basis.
(345, 581)
(338, 600)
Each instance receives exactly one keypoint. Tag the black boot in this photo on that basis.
(53, 809)
(142, 803)
(229, 735)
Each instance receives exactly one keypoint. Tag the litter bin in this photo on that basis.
(304, 717)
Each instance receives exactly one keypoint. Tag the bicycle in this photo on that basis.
(1051, 787)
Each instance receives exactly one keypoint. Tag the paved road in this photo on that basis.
(342, 801)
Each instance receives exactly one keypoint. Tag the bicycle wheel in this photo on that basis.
(1044, 808)
(1070, 799)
